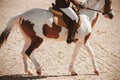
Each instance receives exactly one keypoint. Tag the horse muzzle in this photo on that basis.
(109, 15)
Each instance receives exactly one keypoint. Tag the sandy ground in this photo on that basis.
(55, 58)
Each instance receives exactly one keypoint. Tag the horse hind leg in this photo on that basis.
(27, 44)
(35, 42)
(27, 28)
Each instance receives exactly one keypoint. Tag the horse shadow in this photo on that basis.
(31, 77)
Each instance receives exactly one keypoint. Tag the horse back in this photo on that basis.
(40, 22)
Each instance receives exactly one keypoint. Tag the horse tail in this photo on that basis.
(4, 35)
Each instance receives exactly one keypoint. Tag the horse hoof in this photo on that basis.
(38, 72)
(74, 74)
(96, 72)
(28, 72)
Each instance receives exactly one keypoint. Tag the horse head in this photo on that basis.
(90, 7)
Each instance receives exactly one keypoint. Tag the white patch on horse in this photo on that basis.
(85, 27)
(51, 20)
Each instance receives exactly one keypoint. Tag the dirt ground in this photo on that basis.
(55, 58)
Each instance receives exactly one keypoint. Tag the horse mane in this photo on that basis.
(108, 2)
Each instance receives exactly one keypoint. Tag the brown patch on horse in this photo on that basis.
(86, 38)
(94, 20)
(27, 27)
(51, 32)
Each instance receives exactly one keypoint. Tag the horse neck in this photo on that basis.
(93, 4)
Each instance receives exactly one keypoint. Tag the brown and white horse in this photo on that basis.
(37, 25)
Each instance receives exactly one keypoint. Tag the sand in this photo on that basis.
(55, 56)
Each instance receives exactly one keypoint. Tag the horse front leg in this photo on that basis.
(92, 55)
(76, 49)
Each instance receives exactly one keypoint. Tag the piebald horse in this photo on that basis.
(37, 25)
